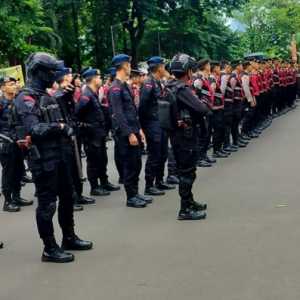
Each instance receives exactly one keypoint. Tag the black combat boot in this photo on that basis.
(163, 186)
(198, 206)
(153, 191)
(16, 197)
(210, 160)
(253, 135)
(245, 136)
(110, 187)
(76, 205)
(136, 202)
(75, 243)
(202, 163)
(85, 200)
(53, 253)
(172, 179)
(244, 141)
(99, 191)
(191, 214)
(219, 154)
(9, 204)
(147, 199)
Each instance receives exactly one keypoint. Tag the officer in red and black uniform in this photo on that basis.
(227, 91)
(282, 84)
(276, 88)
(218, 111)
(269, 81)
(157, 138)
(203, 89)
(255, 90)
(250, 103)
(235, 82)
(294, 84)
(290, 85)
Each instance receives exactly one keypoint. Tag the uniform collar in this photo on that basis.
(91, 91)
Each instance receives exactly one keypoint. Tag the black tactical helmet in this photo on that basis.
(181, 63)
(43, 66)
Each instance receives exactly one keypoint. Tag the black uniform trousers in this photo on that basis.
(172, 166)
(282, 101)
(228, 118)
(157, 146)
(237, 112)
(276, 98)
(185, 153)
(52, 178)
(131, 157)
(218, 129)
(11, 158)
(203, 132)
(96, 158)
(248, 123)
(118, 156)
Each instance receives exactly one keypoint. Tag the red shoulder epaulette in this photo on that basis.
(115, 89)
(28, 98)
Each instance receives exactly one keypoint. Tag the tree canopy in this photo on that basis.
(269, 25)
(80, 31)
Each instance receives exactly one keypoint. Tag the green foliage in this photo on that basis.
(22, 30)
(269, 25)
(79, 31)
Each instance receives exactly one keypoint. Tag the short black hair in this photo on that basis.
(202, 63)
(178, 75)
(154, 68)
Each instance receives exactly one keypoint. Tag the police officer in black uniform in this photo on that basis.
(157, 138)
(127, 131)
(186, 113)
(91, 117)
(11, 155)
(48, 138)
(65, 98)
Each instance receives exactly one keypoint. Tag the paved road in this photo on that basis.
(247, 249)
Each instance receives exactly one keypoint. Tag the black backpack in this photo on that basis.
(167, 107)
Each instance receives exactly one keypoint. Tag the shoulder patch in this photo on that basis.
(115, 89)
(28, 98)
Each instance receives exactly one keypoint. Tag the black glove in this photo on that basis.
(69, 89)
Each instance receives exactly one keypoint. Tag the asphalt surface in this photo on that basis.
(248, 248)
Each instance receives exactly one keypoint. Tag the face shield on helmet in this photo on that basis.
(43, 67)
